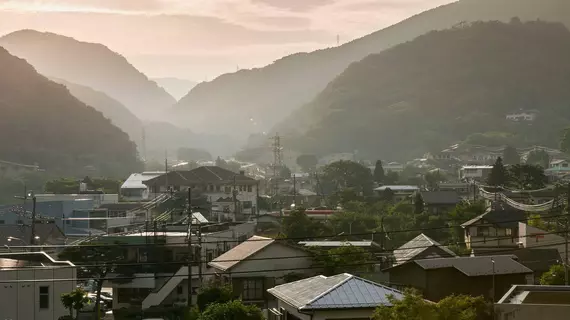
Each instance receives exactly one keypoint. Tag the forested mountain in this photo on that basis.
(176, 87)
(269, 94)
(112, 109)
(43, 123)
(92, 65)
(443, 87)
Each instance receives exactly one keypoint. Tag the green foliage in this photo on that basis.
(214, 293)
(414, 307)
(527, 177)
(348, 259)
(307, 162)
(71, 185)
(298, 225)
(555, 276)
(74, 300)
(379, 174)
(434, 178)
(418, 203)
(539, 158)
(499, 175)
(341, 175)
(233, 310)
(511, 155)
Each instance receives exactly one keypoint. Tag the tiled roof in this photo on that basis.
(477, 266)
(440, 197)
(538, 260)
(336, 292)
(205, 174)
(414, 247)
(240, 252)
(499, 215)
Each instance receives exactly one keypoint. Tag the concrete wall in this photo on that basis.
(531, 312)
(21, 300)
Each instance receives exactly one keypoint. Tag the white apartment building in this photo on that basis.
(31, 284)
(474, 172)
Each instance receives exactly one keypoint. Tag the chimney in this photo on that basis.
(242, 173)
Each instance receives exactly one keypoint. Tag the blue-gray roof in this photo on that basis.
(337, 292)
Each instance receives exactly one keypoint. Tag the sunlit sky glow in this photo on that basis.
(199, 39)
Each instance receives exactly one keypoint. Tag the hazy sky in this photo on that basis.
(200, 39)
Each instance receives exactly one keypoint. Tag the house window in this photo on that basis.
(44, 297)
(508, 231)
(483, 231)
(249, 189)
(209, 255)
(253, 289)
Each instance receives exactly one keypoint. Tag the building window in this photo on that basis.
(209, 255)
(483, 231)
(19, 222)
(249, 189)
(508, 231)
(253, 289)
(179, 290)
(44, 297)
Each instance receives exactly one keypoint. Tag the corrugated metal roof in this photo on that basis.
(417, 245)
(336, 292)
(477, 266)
(240, 252)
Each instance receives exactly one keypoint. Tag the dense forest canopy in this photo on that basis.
(443, 87)
(43, 123)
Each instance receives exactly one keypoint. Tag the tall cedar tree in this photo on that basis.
(419, 204)
(499, 175)
(379, 174)
(511, 156)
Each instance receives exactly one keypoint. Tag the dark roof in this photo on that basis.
(538, 260)
(200, 175)
(24, 232)
(499, 215)
(476, 266)
(336, 292)
(416, 246)
(440, 197)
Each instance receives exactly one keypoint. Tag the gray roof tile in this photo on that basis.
(477, 266)
(340, 291)
(414, 247)
(240, 252)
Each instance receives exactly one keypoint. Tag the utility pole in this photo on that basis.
(25, 197)
(199, 252)
(190, 249)
(295, 191)
(234, 197)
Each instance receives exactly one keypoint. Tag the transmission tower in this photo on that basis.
(277, 162)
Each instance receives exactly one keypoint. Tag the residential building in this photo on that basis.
(260, 263)
(496, 228)
(133, 189)
(342, 297)
(465, 190)
(438, 278)
(32, 286)
(215, 183)
(531, 302)
(438, 202)
(532, 237)
(421, 247)
(326, 244)
(14, 236)
(401, 192)
(474, 172)
(559, 163)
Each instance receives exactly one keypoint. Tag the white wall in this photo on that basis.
(21, 300)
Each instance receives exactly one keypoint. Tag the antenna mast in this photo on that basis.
(277, 163)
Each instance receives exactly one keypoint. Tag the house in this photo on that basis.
(216, 184)
(531, 302)
(532, 237)
(260, 263)
(401, 192)
(496, 228)
(31, 287)
(538, 260)
(474, 172)
(440, 201)
(14, 236)
(326, 245)
(465, 190)
(438, 278)
(342, 297)
(421, 247)
(133, 189)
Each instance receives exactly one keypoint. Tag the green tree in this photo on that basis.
(433, 179)
(347, 258)
(298, 225)
(555, 276)
(527, 177)
(285, 172)
(74, 300)
(348, 174)
(511, 155)
(307, 162)
(379, 174)
(214, 293)
(419, 204)
(232, 310)
(62, 186)
(392, 177)
(499, 175)
(539, 158)
(101, 261)
(414, 307)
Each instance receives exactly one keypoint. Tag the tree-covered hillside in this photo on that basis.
(442, 87)
(271, 93)
(43, 123)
